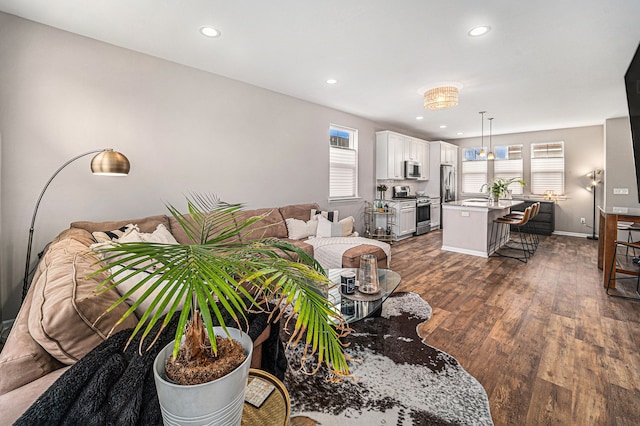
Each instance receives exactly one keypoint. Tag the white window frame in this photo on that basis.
(509, 165)
(473, 173)
(343, 163)
(547, 167)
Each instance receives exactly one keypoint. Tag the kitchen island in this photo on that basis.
(466, 224)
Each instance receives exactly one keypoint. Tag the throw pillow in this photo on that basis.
(299, 229)
(133, 298)
(330, 216)
(106, 236)
(160, 235)
(326, 229)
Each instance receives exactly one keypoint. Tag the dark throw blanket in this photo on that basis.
(112, 386)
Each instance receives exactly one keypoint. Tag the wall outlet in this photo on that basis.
(621, 191)
(583, 221)
(465, 214)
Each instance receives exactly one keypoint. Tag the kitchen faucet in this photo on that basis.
(485, 185)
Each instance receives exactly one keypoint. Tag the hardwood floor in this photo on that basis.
(543, 338)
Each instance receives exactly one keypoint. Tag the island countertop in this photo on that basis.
(483, 204)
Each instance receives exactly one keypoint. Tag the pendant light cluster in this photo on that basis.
(482, 152)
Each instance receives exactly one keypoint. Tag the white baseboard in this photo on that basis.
(572, 234)
(465, 251)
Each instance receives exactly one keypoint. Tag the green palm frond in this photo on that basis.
(218, 274)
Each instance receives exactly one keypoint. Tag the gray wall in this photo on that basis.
(584, 147)
(620, 171)
(182, 129)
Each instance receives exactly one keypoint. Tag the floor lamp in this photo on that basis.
(106, 162)
(593, 175)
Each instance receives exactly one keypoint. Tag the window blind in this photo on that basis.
(509, 169)
(547, 168)
(342, 172)
(474, 175)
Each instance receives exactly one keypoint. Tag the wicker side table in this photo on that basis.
(275, 410)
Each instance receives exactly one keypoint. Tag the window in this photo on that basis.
(474, 170)
(547, 167)
(343, 162)
(508, 164)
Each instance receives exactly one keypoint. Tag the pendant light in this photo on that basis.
(482, 153)
(490, 155)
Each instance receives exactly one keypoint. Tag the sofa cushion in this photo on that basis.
(301, 245)
(146, 224)
(271, 226)
(181, 236)
(22, 359)
(298, 211)
(65, 306)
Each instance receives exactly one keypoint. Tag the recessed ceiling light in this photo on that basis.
(460, 133)
(332, 81)
(443, 126)
(210, 32)
(419, 118)
(479, 31)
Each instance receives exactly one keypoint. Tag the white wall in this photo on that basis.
(182, 129)
(584, 147)
(620, 170)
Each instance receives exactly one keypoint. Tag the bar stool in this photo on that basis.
(502, 226)
(614, 270)
(629, 227)
(531, 224)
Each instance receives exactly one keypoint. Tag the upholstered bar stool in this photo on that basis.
(531, 225)
(502, 225)
(615, 269)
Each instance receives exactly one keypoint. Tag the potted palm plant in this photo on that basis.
(219, 276)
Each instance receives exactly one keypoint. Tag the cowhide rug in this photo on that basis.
(399, 379)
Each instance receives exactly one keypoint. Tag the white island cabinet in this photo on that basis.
(466, 224)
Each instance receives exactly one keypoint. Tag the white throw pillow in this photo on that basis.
(160, 235)
(134, 280)
(299, 229)
(326, 229)
(332, 216)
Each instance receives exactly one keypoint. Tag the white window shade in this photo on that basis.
(509, 169)
(547, 168)
(474, 175)
(342, 172)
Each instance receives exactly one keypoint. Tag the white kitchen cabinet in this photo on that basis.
(435, 215)
(423, 158)
(404, 224)
(448, 154)
(389, 155)
(393, 149)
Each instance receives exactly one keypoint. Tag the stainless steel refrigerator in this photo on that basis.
(447, 183)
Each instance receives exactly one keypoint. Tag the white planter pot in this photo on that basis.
(219, 402)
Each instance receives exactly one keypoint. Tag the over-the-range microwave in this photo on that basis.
(412, 169)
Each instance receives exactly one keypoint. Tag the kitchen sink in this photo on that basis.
(475, 202)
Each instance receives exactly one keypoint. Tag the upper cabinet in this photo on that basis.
(393, 149)
(448, 154)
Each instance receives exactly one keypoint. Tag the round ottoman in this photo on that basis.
(351, 257)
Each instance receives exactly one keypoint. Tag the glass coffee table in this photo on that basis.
(359, 305)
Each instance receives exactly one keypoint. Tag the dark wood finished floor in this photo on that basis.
(543, 338)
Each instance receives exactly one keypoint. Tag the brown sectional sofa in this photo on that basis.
(56, 324)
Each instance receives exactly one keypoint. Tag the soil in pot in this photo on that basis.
(196, 362)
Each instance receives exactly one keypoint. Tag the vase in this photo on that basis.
(382, 193)
(217, 402)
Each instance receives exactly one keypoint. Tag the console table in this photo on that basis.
(608, 233)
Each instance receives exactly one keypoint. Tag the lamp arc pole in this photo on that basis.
(25, 282)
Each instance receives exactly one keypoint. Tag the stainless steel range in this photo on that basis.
(423, 207)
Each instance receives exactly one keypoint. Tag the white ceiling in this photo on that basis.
(545, 64)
